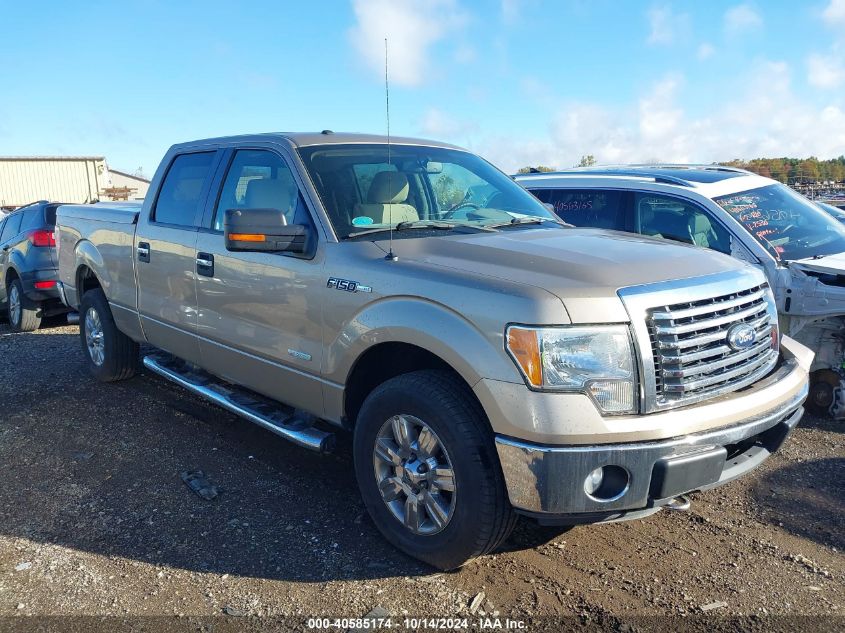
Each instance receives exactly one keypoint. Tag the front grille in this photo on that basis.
(692, 357)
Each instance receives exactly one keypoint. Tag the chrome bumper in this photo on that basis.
(550, 480)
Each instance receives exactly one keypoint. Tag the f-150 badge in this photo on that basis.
(347, 284)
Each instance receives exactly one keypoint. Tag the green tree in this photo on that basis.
(531, 170)
(587, 160)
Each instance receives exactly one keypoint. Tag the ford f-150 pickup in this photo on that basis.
(489, 359)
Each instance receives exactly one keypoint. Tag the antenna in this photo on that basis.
(390, 256)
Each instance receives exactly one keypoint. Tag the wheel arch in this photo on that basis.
(384, 361)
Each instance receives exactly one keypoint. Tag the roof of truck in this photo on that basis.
(326, 137)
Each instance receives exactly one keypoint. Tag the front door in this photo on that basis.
(259, 316)
(165, 254)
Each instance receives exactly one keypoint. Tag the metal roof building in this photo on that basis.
(24, 179)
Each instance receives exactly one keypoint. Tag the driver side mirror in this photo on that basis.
(263, 230)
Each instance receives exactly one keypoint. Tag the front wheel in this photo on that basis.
(428, 471)
(111, 355)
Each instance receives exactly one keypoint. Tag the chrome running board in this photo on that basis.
(275, 417)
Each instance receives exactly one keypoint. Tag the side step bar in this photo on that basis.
(277, 419)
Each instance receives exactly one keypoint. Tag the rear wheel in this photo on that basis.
(23, 312)
(428, 471)
(111, 355)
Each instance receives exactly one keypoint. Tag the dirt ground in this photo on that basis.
(95, 521)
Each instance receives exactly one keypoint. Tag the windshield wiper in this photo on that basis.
(526, 220)
(417, 224)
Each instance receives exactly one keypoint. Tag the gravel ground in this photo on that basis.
(95, 521)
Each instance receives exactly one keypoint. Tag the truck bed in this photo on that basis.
(102, 236)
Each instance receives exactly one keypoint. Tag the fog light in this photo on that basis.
(607, 483)
(593, 481)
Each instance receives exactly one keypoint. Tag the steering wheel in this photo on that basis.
(450, 212)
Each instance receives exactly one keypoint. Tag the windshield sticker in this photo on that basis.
(362, 220)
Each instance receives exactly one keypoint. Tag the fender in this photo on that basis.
(426, 324)
(15, 263)
(86, 254)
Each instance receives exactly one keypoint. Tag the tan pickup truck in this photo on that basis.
(489, 360)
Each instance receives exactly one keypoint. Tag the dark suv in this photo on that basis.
(28, 264)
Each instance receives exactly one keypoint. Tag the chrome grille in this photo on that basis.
(692, 357)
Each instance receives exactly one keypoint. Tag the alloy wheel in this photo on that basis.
(14, 306)
(414, 474)
(94, 338)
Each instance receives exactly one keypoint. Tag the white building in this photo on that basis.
(75, 179)
(120, 179)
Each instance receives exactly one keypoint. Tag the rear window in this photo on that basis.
(179, 198)
(50, 214)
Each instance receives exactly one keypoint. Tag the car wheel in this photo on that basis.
(823, 385)
(23, 312)
(110, 354)
(428, 471)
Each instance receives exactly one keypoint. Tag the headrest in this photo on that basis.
(263, 193)
(388, 187)
(699, 223)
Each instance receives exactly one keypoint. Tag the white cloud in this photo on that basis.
(767, 118)
(705, 51)
(440, 125)
(411, 28)
(741, 19)
(834, 13)
(511, 10)
(666, 26)
(825, 71)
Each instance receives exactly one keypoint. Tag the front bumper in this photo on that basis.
(549, 481)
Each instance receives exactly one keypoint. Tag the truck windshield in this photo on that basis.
(362, 189)
(785, 222)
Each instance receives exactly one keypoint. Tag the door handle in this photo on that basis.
(143, 252)
(205, 264)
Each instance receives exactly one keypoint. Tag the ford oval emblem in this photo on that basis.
(741, 336)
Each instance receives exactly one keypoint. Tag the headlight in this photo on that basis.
(596, 360)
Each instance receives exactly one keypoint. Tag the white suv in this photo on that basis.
(800, 248)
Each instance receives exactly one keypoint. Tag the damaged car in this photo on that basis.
(800, 248)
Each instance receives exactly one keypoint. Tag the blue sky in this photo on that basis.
(519, 81)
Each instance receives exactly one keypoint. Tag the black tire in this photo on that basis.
(28, 317)
(482, 517)
(823, 383)
(119, 352)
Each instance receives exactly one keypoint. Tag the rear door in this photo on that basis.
(165, 255)
(2, 263)
(11, 229)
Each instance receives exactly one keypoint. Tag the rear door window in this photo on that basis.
(12, 227)
(598, 208)
(181, 191)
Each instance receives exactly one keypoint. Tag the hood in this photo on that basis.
(829, 264)
(580, 266)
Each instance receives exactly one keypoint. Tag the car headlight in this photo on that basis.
(596, 360)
